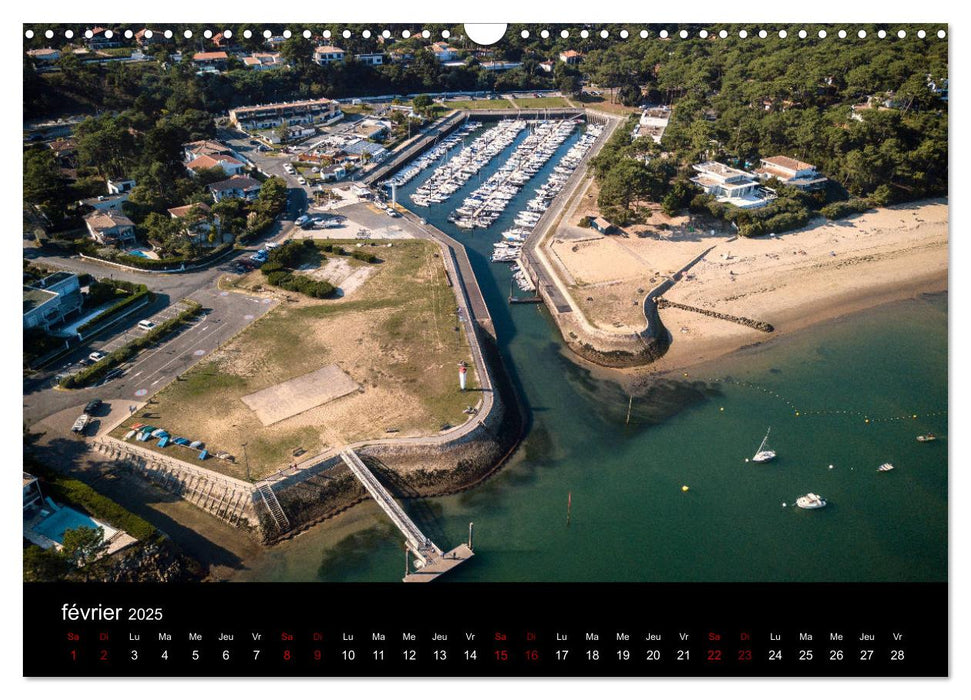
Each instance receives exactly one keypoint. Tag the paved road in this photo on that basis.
(156, 367)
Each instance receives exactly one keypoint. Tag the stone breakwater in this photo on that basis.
(408, 468)
(607, 349)
(741, 320)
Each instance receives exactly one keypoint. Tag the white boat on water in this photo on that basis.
(885, 467)
(810, 501)
(763, 454)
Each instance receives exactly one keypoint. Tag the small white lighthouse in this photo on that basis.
(462, 372)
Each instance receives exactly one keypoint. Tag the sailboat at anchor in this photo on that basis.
(764, 454)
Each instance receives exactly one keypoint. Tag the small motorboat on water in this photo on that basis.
(928, 437)
(763, 454)
(810, 501)
(885, 467)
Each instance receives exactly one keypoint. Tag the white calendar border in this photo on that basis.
(517, 11)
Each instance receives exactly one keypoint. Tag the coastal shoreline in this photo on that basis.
(734, 289)
(686, 356)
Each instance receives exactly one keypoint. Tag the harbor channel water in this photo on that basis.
(841, 399)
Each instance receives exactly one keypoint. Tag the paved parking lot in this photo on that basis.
(154, 367)
(130, 334)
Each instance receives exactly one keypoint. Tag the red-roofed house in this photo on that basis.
(328, 54)
(229, 165)
(443, 52)
(110, 227)
(102, 38)
(210, 60)
(194, 149)
(571, 57)
(149, 37)
(264, 61)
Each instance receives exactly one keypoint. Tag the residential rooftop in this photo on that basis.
(186, 209)
(235, 183)
(107, 219)
(211, 161)
(210, 56)
(788, 163)
(34, 297)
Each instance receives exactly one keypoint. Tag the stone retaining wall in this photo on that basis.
(226, 498)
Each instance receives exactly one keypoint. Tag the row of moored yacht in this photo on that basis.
(508, 249)
(481, 208)
(433, 155)
(453, 174)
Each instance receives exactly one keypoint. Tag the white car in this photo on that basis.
(97, 356)
(146, 325)
(301, 181)
(302, 220)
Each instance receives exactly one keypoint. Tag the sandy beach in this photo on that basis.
(791, 280)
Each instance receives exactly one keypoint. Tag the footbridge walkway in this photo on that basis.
(431, 560)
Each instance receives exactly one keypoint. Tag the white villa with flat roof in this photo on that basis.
(652, 123)
(790, 172)
(371, 59)
(730, 185)
(51, 300)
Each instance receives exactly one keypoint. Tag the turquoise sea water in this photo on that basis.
(630, 519)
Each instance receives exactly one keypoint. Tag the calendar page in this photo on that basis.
(445, 350)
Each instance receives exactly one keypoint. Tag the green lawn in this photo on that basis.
(541, 102)
(472, 105)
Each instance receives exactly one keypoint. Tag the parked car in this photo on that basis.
(97, 356)
(111, 375)
(146, 325)
(91, 406)
(80, 424)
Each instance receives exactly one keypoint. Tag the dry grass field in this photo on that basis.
(395, 335)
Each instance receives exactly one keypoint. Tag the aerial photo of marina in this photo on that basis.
(348, 303)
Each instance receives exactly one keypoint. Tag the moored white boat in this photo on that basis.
(811, 501)
(763, 454)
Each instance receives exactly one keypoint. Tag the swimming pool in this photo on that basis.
(55, 524)
(137, 253)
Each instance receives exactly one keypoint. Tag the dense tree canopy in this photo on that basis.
(734, 100)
